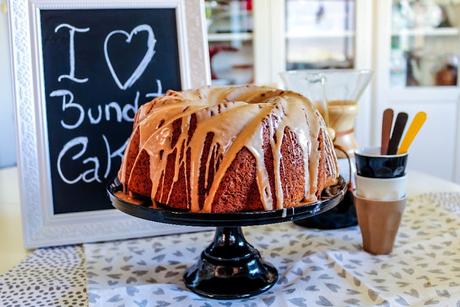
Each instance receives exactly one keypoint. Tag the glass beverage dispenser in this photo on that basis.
(335, 93)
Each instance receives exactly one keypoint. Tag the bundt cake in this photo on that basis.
(229, 149)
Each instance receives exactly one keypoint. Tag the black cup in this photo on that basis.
(370, 163)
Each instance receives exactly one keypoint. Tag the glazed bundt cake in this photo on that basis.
(229, 149)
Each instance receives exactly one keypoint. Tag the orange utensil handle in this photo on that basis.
(411, 133)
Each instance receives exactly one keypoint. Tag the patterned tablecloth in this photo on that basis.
(47, 277)
(326, 268)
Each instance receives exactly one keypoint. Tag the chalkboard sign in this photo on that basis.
(81, 71)
(99, 66)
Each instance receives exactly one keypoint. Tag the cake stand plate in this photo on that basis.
(230, 267)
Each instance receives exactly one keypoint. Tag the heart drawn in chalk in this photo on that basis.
(151, 41)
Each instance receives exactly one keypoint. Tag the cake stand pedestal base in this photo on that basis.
(230, 268)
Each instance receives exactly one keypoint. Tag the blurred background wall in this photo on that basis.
(7, 127)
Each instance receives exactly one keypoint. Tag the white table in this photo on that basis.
(11, 242)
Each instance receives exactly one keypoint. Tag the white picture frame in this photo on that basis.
(41, 227)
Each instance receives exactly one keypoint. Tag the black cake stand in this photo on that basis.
(230, 267)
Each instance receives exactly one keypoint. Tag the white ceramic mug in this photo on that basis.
(382, 189)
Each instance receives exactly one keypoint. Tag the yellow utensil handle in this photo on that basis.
(411, 133)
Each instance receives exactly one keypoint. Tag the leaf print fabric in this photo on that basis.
(316, 267)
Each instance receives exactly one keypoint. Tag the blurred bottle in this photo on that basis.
(398, 64)
(447, 75)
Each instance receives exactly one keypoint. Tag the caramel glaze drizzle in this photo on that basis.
(235, 116)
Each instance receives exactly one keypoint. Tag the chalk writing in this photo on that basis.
(121, 113)
(90, 165)
(145, 60)
(75, 114)
(72, 31)
(159, 91)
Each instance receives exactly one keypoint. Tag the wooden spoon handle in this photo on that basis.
(398, 130)
(411, 133)
(387, 122)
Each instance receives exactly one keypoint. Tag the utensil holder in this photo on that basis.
(379, 223)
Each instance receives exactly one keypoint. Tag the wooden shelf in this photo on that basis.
(427, 32)
(222, 37)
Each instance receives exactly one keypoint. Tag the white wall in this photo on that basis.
(7, 128)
